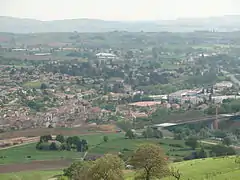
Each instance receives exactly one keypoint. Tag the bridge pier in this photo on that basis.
(210, 125)
(215, 124)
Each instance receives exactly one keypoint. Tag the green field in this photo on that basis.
(117, 143)
(214, 169)
(19, 154)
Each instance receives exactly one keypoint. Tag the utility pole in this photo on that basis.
(216, 120)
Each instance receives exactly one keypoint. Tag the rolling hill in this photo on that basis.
(17, 25)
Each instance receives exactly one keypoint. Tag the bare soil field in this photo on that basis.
(35, 165)
(88, 129)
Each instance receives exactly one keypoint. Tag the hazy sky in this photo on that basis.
(117, 9)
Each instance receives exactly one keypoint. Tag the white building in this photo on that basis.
(223, 85)
(219, 99)
(105, 56)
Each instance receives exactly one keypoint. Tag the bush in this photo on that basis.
(105, 138)
(176, 145)
(60, 138)
(45, 138)
(192, 142)
(220, 150)
(63, 178)
(191, 156)
(53, 146)
(43, 146)
(126, 149)
(69, 172)
(178, 160)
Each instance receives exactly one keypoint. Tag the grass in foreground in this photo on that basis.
(211, 168)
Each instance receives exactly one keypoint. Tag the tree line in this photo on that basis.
(62, 143)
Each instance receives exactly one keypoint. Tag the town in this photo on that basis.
(174, 86)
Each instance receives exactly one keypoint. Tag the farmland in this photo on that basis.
(61, 130)
(26, 156)
(211, 168)
(28, 153)
(117, 143)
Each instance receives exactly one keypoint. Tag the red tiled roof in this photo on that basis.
(145, 103)
(96, 109)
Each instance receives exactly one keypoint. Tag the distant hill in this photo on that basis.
(17, 25)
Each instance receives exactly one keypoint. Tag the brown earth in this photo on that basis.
(35, 165)
(88, 129)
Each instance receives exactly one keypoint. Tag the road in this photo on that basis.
(22, 144)
(232, 77)
(213, 143)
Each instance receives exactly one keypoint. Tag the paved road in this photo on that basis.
(232, 78)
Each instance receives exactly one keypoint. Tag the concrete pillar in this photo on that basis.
(215, 124)
(210, 125)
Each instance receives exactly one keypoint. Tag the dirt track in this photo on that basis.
(35, 165)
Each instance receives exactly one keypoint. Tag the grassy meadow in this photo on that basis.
(116, 143)
(209, 169)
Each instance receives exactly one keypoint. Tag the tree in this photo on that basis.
(79, 146)
(129, 134)
(152, 133)
(60, 138)
(237, 160)
(202, 154)
(53, 146)
(237, 132)
(71, 171)
(203, 133)
(227, 141)
(179, 136)
(150, 162)
(69, 140)
(219, 134)
(157, 133)
(83, 172)
(85, 145)
(192, 142)
(220, 150)
(148, 133)
(108, 167)
(175, 173)
(45, 138)
(105, 138)
(43, 86)
(75, 140)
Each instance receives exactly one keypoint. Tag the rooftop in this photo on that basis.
(105, 54)
(164, 125)
(145, 103)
